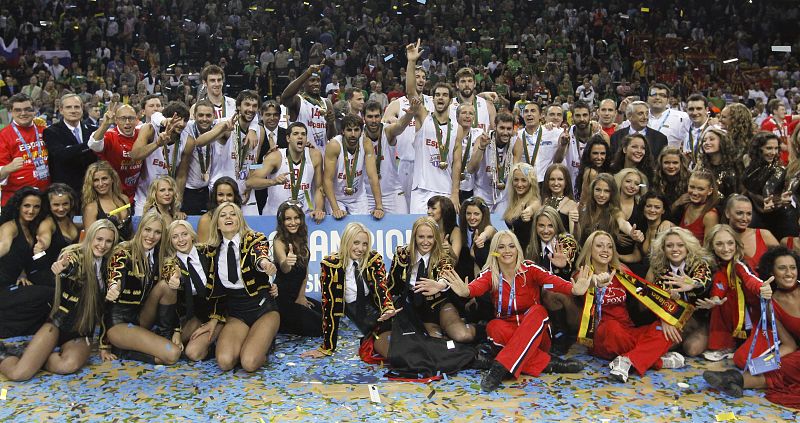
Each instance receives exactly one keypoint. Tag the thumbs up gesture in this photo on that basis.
(291, 257)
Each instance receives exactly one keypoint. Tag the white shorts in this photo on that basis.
(358, 205)
(392, 203)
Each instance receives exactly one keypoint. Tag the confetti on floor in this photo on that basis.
(336, 389)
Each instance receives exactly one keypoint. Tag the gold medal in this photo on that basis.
(349, 191)
(442, 165)
(463, 176)
(501, 186)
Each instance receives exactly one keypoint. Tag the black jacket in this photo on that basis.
(68, 159)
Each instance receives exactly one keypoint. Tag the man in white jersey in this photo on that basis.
(405, 141)
(195, 195)
(163, 151)
(293, 173)
(384, 142)
(697, 108)
(574, 139)
(347, 158)
(465, 88)
(437, 144)
(232, 154)
(671, 122)
(310, 108)
(535, 144)
(491, 162)
(466, 118)
(214, 79)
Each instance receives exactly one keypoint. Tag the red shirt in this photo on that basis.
(117, 151)
(529, 280)
(11, 148)
(610, 130)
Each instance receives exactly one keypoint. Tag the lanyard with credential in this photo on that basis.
(663, 121)
(511, 297)
(25, 143)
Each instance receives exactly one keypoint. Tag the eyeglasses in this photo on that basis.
(22, 110)
(655, 94)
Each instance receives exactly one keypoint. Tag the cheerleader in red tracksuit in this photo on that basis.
(782, 385)
(732, 285)
(521, 323)
(614, 335)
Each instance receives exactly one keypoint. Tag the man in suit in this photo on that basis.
(66, 141)
(273, 137)
(638, 114)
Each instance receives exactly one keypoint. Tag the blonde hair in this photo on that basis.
(695, 253)
(349, 235)
(517, 203)
(620, 176)
(140, 266)
(89, 195)
(169, 249)
(585, 259)
(716, 230)
(436, 251)
(90, 304)
(492, 263)
(533, 246)
(214, 236)
(152, 191)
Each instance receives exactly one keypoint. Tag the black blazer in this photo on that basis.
(68, 159)
(655, 140)
(193, 305)
(280, 142)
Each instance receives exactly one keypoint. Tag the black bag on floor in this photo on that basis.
(414, 355)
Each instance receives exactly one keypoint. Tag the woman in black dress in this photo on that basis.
(300, 315)
(23, 305)
(56, 232)
(102, 195)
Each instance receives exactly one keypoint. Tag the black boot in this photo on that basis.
(729, 382)
(166, 320)
(560, 365)
(482, 361)
(494, 377)
(133, 355)
(480, 333)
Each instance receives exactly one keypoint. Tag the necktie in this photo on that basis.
(417, 299)
(470, 237)
(361, 292)
(194, 277)
(233, 274)
(77, 133)
(422, 272)
(271, 140)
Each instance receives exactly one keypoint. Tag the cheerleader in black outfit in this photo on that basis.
(240, 271)
(76, 309)
(138, 298)
(476, 232)
(23, 306)
(192, 259)
(299, 315)
(56, 232)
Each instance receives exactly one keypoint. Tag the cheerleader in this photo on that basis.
(733, 286)
(239, 279)
(523, 201)
(183, 251)
(137, 299)
(163, 196)
(77, 307)
(56, 232)
(520, 326)
(224, 189)
(101, 195)
(353, 282)
(300, 315)
(607, 329)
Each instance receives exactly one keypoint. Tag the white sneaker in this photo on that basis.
(672, 360)
(718, 355)
(620, 367)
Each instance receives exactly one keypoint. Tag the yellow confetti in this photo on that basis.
(726, 417)
(645, 9)
(3, 393)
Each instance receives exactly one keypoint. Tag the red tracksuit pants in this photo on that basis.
(525, 345)
(643, 345)
(720, 326)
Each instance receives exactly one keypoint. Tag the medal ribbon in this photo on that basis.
(532, 159)
(443, 148)
(350, 170)
(296, 181)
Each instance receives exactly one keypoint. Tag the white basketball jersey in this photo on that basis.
(359, 175)
(314, 118)
(384, 157)
(277, 194)
(427, 173)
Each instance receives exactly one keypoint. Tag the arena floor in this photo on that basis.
(336, 389)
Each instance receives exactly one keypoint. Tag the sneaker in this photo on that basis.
(620, 367)
(718, 355)
(672, 360)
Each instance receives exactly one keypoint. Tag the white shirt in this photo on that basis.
(222, 268)
(350, 287)
(98, 272)
(196, 264)
(674, 124)
(426, 259)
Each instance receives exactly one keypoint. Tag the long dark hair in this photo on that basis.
(645, 166)
(448, 212)
(586, 161)
(299, 241)
(61, 189)
(11, 209)
(225, 180)
(480, 203)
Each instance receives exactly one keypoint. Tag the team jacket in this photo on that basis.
(71, 286)
(400, 273)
